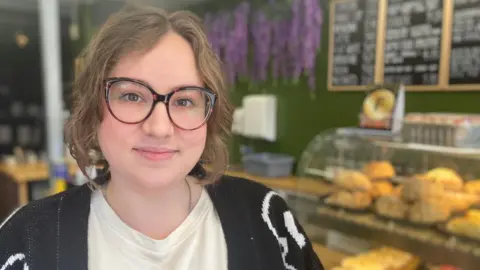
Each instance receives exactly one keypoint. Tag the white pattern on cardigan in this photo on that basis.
(16, 257)
(291, 227)
(13, 259)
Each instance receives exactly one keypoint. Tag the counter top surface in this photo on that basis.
(23, 173)
(292, 183)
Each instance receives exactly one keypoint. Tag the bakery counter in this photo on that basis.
(429, 244)
(307, 187)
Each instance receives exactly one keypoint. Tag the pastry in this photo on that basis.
(428, 212)
(473, 215)
(459, 202)
(381, 188)
(379, 170)
(391, 206)
(398, 190)
(352, 200)
(379, 104)
(464, 226)
(447, 177)
(416, 189)
(383, 258)
(473, 187)
(353, 180)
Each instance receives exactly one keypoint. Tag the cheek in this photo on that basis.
(193, 138)
(111, 133)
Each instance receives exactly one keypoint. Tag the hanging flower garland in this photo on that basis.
(285, 39)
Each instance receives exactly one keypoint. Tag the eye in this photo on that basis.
(183, 102)
(130, 97)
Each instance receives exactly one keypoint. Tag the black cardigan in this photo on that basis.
(260, 231)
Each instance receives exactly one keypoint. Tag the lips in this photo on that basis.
(155, 154)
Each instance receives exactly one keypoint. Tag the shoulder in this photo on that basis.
(240, 186)
(248, 191)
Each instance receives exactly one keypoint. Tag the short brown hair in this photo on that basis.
(138, 29)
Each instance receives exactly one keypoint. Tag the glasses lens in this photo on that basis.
(129, 102)
(189, 108)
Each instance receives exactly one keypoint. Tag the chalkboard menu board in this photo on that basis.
(465, 45)
(353, 39)
(413, 42)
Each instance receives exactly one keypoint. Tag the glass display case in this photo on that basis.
(336, 150)
(424, 199)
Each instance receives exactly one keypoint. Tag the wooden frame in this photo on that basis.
(331, 44)
(441, 63)
(445, 52)
(446, 43)
(449, 21)
(381, 32)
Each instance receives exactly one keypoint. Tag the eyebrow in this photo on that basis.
(171, 89)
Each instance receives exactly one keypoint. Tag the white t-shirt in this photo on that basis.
(198, 243)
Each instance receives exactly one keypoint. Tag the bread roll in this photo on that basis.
(473, 215)
(415, 190)
(398, 190)
(445, 176)
(381, 188)
(379, 170)
(464, 226)
(391, 206)
(429, 212)
(352, 200)
(353, 180)
(473, 187)
(459, 202)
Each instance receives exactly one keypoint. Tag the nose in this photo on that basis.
(158, 124)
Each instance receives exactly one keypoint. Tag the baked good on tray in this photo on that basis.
(351, 200)
(429, 212)
(381, 188)
(398, 190)
(473, 187)
(468, 225)
(379, 170)
(446, 177)
(391, 206)
(353, 180)
(384, 258)
(460, 201)
(418, 189)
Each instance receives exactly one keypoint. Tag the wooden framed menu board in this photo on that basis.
(464, 70)
(413, 43)
(354, 44)
(422, 44)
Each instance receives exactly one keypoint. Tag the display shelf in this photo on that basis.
(454, 151)
(429, 244)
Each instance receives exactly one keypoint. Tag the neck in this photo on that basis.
(155, 213)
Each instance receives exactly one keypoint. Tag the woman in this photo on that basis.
(151, 102)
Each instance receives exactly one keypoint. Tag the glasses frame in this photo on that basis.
(158, 98)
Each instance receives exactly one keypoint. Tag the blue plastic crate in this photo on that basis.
(268, 164)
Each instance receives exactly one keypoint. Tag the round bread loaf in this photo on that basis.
(446, 177)
(379, 170)
(353, 180)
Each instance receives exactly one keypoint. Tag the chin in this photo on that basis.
(157, 178)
